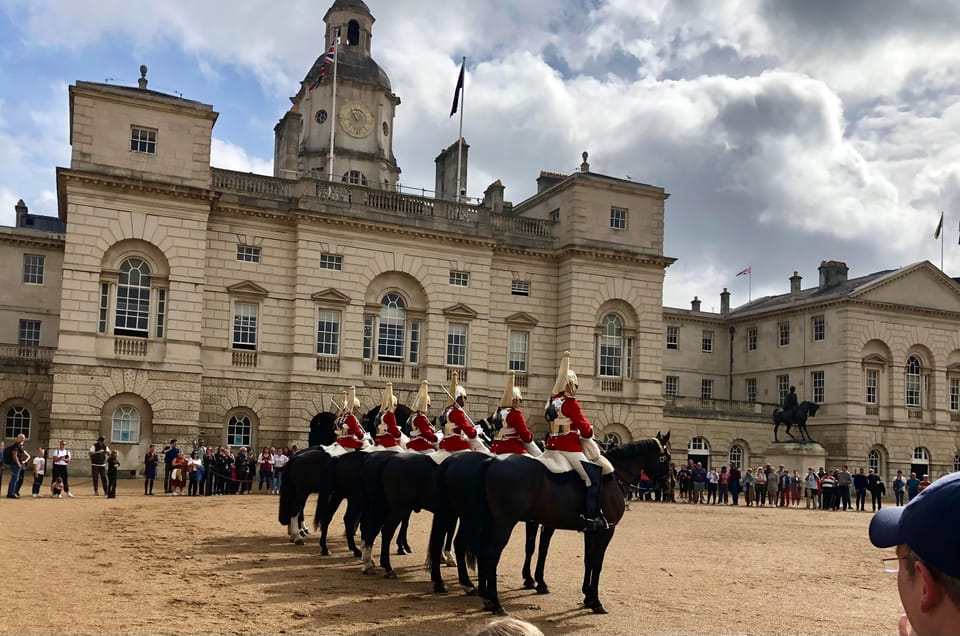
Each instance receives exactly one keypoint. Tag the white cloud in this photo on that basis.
(224, 154)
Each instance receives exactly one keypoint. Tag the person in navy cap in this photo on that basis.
(926, 534)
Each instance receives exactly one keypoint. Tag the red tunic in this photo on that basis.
(513, 442)
(392, 437)
(351, 425)
(461, 427)
(579, 427)
(426, 439)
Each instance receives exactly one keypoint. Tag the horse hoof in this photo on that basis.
(598, 609)
(324, 552)
(469, 590)
(529, 584)
(543, 589)
(390, 575)
(498, 611)
(407, 549)
(357, 553)
(451, 563)
(298, 541)
(439, 588)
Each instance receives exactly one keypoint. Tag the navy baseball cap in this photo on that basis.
(928, 525)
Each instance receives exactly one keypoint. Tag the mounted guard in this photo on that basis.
(571, 437)
(459, 433)
(350, 435)
(389, 437)
(515, 435)
(423, 439)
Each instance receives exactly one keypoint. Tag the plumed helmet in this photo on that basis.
(351, 399)
(389, 402)
(456, 389)
(511, 392)
(565, 375)
(422, 402)
(343, 404)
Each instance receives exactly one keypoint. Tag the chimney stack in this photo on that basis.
(832, 273)
(724, 302)
(795, 284)
(21, 209)
(695, 304)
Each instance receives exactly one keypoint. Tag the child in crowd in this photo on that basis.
(56, 488)
(113, 464)
(39, 469)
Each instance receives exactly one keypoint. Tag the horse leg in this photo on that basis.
(351, 519)
(587, 573)
(434, 548)
(371, 523)
(386, 536)
(448, 558)
(402, 546)
(328, 511)
(498, 542)
(776, 429)
(531, 543)
(600, 541)
(546, 534)
(460, 549)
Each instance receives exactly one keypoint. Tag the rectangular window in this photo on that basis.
(673, 337)
(517, 358)
(816, 381)
(248, 253)
(33, 269)
(456, 345)
(104, 307)
(29, 334)
(873, 386)
(955, 394)
(161, 311)
(783, 387)
(414, 342)
(707, 342)
(133, 311)
(913, 390)
(245, 326)
(628, 360)
(459, 279)
(819, 329)
(672, 386)
(555, 215)
(143, 140)
(331, 262)
(124, 430)
(611, 356)
(751, 389)
(706, 389)
(328, 332)
(784, 328)
(367, 336)
(752, 339)
(618, 218)
(520, 288)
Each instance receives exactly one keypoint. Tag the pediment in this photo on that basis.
(330, 295)
(247, 288)
(460, 311)
(875, 358)
(521, 319)
(921, 285)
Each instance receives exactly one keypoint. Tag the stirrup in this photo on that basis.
(595, 525)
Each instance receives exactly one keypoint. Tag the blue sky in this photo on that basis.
(787, 131)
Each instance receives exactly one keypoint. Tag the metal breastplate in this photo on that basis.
(411, 424)
(561, 425)
(449, 428)
(382, 428)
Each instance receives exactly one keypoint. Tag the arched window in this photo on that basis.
(353, 33)
(956, 463)
(18, 421)
(913, 382)
(921, 455)
(611, 440)
(873, 461)
(354, 177)
(736, 455)
(393, 316)
(611, 346)
(699, 445)
(239, 430)
(125, 425)
(133, 299)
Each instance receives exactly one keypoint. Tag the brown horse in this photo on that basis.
(491, 496)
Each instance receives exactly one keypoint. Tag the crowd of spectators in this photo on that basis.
(766, 486)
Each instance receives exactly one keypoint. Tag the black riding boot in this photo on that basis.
(593, 519)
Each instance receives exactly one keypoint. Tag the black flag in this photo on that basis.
(458, 90)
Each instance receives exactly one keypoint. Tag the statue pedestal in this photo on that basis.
(796, 455)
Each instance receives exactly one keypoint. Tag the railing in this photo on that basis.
(391, 371)
(914, 414)
(367, 369)
(244, 358)
(23, 352)
(611, 386)
(873, 410)
(521, 226)
(460, 371)
(250, 182)
(720, 406)
(130, 346)
(520, 380)
(328, 365)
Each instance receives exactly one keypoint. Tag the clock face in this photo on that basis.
(356, 120)
(321, 116)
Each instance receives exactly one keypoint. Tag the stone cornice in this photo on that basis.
(15, 236)
(101, 180)
(413, 232)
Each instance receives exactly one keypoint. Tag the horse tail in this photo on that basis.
(288, 494)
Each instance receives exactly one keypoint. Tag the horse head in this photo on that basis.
(322, 429)
(649, 455)
(810, 408)
(369, 421)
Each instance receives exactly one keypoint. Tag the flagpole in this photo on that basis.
(463, 94)
(750, 285)
(333, 107)
(942, 233)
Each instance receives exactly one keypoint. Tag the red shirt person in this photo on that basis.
(458, 431)
(422, 437)
(349, 432)
(515, 436)
(388, 433)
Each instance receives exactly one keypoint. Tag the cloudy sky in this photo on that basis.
(786, 131)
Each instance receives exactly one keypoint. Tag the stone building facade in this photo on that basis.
(179, 298)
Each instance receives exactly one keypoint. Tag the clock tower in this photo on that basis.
(362, 122)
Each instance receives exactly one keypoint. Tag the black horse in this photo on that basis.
(491, 497)
(307, 472)
(795, 417)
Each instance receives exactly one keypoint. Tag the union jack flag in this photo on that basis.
(742, 272)
(327, 61)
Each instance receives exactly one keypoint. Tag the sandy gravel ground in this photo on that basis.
(181, 565)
